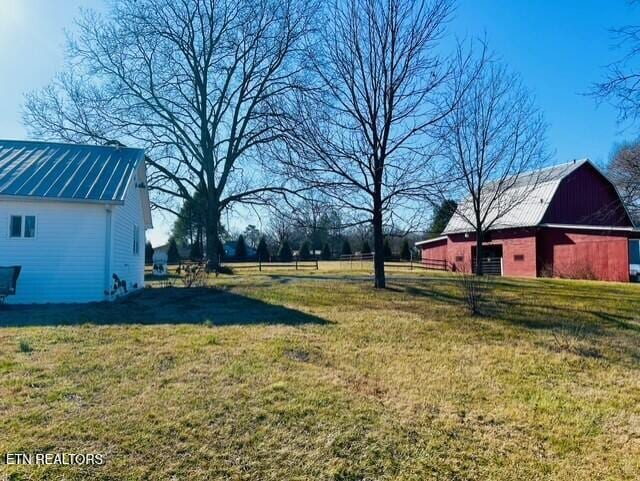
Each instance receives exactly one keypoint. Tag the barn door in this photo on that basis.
(491, 260)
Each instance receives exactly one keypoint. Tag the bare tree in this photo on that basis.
(492, 138)
(198, 83)
(621, 85)
(280, 226)
(360, 135)
(624, 171)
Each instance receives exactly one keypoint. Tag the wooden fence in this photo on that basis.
(355, 261)
(297, 264)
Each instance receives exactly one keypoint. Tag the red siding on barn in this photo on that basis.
(434, 251)
(518, 251)
(585, 197)
(584, 255)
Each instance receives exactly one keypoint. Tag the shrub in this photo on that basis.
(474, 290)
(366, 248)
(285, 254)
(326, 252)
(575, 270)
(222, 269)
(25, 346)
(346, 248)
(194, 275)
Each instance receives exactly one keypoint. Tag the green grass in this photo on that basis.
(314, 375)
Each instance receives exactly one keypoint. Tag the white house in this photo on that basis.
(72, 216)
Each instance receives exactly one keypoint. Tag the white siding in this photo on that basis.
(127, 265)
(65, 261)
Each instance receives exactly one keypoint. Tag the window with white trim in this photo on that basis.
(22, 226)
(136, 240)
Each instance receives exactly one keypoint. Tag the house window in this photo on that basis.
(136, 240)
(15, 230)
(518, 257)
(22, 226)
(29, 226)
(459, 258)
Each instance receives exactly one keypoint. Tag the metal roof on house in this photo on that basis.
(50, 170)
(533, 191)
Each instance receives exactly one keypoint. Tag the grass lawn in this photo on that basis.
(314, 375)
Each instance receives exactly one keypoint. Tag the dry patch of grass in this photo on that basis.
(314, 375)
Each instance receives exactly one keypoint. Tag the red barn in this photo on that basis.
(572, 224)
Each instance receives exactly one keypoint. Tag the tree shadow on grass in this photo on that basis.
(160, 306)
(531, 308)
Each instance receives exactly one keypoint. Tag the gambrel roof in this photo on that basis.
(56, 171)
(536, 188)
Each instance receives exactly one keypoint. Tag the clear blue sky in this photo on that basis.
(559, 48)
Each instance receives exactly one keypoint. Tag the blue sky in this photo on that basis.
(558, 47)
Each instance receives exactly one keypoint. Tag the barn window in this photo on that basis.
(518, 257)
(136, 240)
(634, 252)
(22, 226)
(459, 258)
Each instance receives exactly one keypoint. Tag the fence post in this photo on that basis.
(259, 263)
(317, 268)
(296, 263)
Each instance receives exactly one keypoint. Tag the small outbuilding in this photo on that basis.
(572, 224)
(74, 218)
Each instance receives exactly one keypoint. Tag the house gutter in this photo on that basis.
(107, 253)
(429, 241)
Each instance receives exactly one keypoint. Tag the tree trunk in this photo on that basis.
(479, 271)
(213, 256)
(378, 247)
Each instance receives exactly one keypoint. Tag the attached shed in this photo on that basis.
(572, 224)
(74, 217)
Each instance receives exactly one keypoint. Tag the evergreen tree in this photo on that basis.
(285, 254)
(387, 249)
(195, 252)
(366, 248)
(405, 252)
(148, 253)
(241, 248)
(304, 251)
(173, 256)
(263, 250)
(346, 248)
(441, 217)
(326, 252)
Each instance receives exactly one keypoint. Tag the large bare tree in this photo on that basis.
(198, 83)
(493, 142)
(621, 83)
(624, 171)
(360, 135)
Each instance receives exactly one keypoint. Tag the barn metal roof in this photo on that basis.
(50, 170)
(539, 187)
